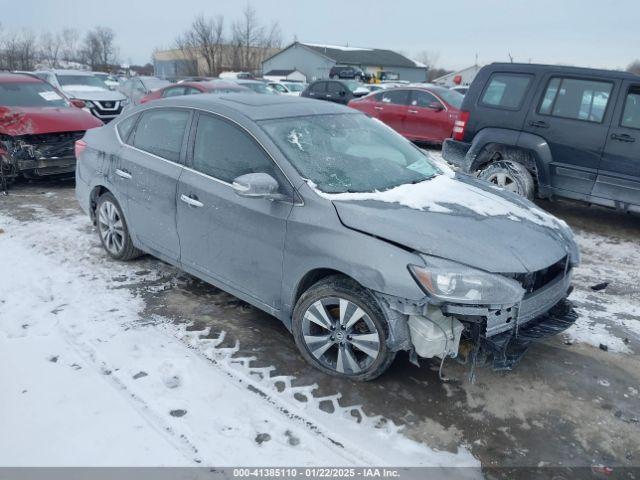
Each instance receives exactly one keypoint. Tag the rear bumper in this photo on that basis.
(455, 152)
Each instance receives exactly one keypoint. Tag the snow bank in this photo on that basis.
(90, 380)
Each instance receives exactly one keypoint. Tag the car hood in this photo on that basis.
(461, 220)
(84, 92)
(31, 120)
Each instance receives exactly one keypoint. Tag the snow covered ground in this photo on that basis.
(89, 380)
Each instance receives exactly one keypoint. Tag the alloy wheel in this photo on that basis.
(504, 180)
(340, 335)
(111, 227)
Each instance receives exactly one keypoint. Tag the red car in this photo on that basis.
(420, 113)
(190, 88)
(38, 128)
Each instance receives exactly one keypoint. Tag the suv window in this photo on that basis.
(125, 126)
(576, 99)
(506, 90)
(224, 151)
(396, 97)
(631, 114)
(319, 87)
(160, 132)
(335, 88)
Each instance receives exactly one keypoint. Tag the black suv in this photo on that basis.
(354, 73)
(339, 91)
(546, 131)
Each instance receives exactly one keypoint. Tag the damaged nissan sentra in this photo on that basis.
(38, 128)
(358, 241)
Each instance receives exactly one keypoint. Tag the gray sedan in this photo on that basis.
(330, 221)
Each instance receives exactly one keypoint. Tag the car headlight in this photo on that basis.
(453, 282)
(88, 104)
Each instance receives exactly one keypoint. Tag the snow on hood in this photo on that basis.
(462, 220)
(87, 92)
(445, 194)
(16, 121)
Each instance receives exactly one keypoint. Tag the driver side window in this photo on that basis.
(224, 151)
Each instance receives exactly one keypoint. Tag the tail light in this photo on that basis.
(80, 146)
(460, 125)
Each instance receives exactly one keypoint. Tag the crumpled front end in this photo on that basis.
(36, 155)
(497, 334)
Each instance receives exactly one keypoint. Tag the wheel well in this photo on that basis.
(312, 277)
(96, 193)
(494, 152)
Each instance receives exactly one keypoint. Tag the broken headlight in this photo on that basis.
(453, 282)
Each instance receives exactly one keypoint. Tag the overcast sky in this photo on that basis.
(588, 33)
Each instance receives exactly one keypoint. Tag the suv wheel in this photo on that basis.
(113, 230)
(339, 329)
(511, 176)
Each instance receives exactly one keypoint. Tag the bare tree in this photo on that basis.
(18, 50)
(50, 47)
(634, 67)
(185, 43)
(69, 47)
(208, 36)
(247, 33)
(99, 49)
(428, 57)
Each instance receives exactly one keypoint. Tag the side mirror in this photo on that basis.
(257, 185)
(437, 106)
(77, 103)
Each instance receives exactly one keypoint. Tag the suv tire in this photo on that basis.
(510, 175)
(113, 230)
(353, 350)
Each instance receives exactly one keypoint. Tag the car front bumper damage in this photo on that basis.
(38, 155)
(497, 335)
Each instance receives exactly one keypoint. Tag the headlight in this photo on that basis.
(453, 282)
(88, 104)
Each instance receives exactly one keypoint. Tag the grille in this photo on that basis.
(534, 281)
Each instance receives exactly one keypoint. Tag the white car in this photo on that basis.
(293, 89)
(82, 85)
(110, 81)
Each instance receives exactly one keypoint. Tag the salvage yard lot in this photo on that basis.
(573, 401)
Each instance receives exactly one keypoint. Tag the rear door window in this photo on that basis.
(396, 97)
(161, 132)
(631, 113)
(506, 90)
(577, 99)
(319, 87)
(336, 88)
(125, 126)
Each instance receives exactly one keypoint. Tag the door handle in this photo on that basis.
(190, 200)
(623, 137)
(539, 124)
(123, 173)
(413, 111)
(378, 108)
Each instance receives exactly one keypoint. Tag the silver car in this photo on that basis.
(333, 223)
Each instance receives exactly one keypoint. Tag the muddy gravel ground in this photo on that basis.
(569, 402)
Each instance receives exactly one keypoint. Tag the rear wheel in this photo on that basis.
(339, 328)
(511, 176)
(113, 230)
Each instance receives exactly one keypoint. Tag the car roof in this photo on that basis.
(537, 67)
(19, 77)
(83, 73)
(257, 107)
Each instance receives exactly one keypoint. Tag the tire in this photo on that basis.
(354, 349)
(113, 230)
(511, 176)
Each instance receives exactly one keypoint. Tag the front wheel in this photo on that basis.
(113, 230)
(340, 329)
